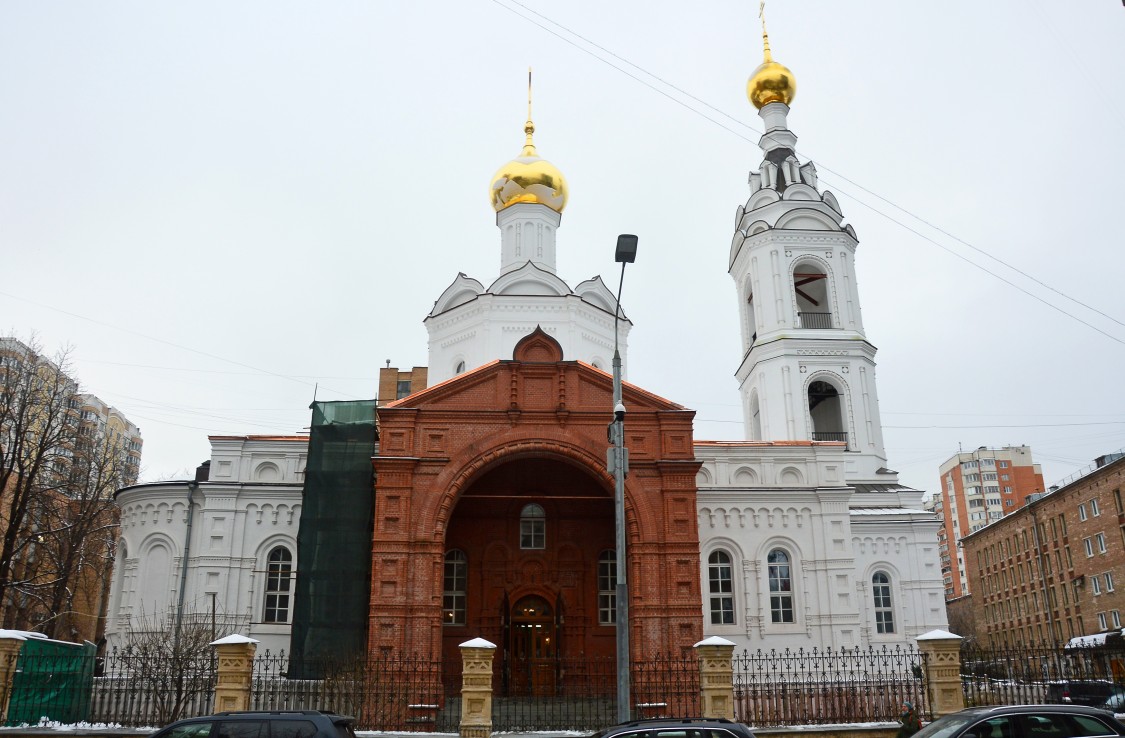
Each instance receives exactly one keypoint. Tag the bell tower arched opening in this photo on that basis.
(810, 286)
(826, 410)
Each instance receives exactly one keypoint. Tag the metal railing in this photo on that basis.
(390, 692)
(815, 320)
(831, 686)
(829, 436)
(1046, 673)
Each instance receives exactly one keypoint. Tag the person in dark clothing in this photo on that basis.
(911, 723)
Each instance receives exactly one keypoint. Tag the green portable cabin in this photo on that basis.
(54, 681)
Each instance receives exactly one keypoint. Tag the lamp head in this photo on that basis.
(626, 249)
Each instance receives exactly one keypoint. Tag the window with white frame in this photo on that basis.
(533, 527)
(1101, 542)
(781, 587)
(1082, 511)
(1089, 544)
(720, 588)
(1115, 616)
(1101, 621)
(1097, 585)
(454, 588)
(1108, 577)
(279, 572)
(1094, 510)
(884, 611)
(607, 587)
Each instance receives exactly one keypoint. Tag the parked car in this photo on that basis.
(677, 728)
(1024, 721)
(1115, 703)
(262, 724)
(1092, 692)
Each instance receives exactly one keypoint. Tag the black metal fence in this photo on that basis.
(387, 692)
(830, 686)
(396, 693)
(1044, 673)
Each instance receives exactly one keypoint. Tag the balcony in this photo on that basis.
(815, 320)
(830, 436)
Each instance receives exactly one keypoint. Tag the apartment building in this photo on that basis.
(1051, 570)
(977, 488)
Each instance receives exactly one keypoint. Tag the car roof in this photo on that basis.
(250, 714)
(649, 723)
(1018, 709)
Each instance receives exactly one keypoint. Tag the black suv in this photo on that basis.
(1024, 721)
(262, 724)
(1092, 692)
(677, 728)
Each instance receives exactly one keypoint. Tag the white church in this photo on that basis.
(806, 537)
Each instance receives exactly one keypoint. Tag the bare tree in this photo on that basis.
(77, 537)
(171, 661)
(58, 474)
(38, 431)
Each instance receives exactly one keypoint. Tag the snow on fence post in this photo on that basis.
(716, 677)
(941, 658)
(10, 644)
(236, 666)
(476, 688)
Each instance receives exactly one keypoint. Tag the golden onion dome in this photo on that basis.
(528, 178)
(771, 81)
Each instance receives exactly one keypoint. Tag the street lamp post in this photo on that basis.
(626, 254)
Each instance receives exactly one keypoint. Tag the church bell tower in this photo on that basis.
(807, 371)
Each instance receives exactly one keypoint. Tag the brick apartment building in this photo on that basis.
(1054, 569)
(977, 488)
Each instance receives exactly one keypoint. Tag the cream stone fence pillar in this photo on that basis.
(716, 677)
(476, 688)
(942, 652)
(10, 644)
(236, 665)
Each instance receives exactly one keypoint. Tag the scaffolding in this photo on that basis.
(334, 541)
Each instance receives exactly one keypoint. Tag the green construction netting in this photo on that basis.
(334, 541)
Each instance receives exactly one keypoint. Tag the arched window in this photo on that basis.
(460, 367)
(755, 417)
(810, 285)
(720, 587)
(751, 320)
(781, 587)
(884, 612)
(279, 573)
(607, 587)
(826, 409)
(533, 527)
(454, 588)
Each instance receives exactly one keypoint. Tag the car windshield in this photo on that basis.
(945, 726)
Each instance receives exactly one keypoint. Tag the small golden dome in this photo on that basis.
(528, 178)
(770, 82)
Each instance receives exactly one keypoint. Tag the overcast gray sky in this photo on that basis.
(221, 205)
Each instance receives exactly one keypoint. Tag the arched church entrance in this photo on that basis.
(528, 540)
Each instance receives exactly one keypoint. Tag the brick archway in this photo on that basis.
(458, 460)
